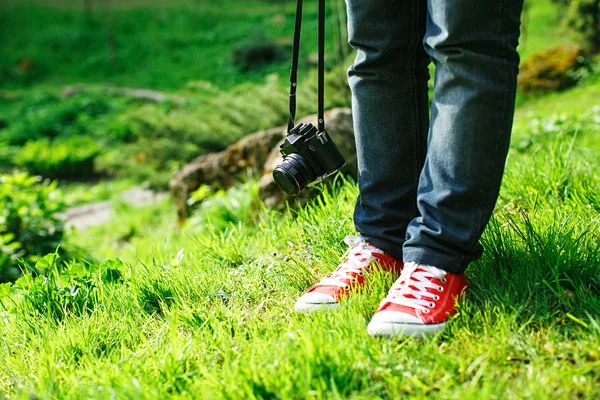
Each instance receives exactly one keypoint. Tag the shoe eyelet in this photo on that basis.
(440, 289)
(347, 287)
(443, 280)
(361, 273)
(436, 298)
(353, 279)
(431, 304)
(427, 311)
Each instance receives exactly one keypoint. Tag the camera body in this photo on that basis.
(309, 156)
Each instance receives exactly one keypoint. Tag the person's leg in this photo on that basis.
(390, 111)
(473, 45)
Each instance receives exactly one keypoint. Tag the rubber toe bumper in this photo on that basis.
(314, 301)
(389, 323)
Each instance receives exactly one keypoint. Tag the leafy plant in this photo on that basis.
(29, 227)
(55, 289)
(46, 115)
(221, 209)
(167, 136)
(71, 158)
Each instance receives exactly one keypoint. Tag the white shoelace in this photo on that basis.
(358, 257)
(416, 283)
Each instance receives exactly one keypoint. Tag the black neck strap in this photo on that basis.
(321, 66)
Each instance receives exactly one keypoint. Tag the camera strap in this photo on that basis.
(321, 66)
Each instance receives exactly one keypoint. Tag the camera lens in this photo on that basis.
(293, 174)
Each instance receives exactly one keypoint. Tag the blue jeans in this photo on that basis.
(428, 189)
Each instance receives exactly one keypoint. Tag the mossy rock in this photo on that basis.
(551, 69)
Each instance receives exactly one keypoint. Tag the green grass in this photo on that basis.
(183, 47)
(161, 45)
(572, 101)
(164, 45)
(204, 311)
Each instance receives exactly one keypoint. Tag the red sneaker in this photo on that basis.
(419, 302)
(359, 260)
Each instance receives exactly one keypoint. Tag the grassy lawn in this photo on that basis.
(153, 310)
(184, 48)
(205, 311)
(143, 44)
(163, 45)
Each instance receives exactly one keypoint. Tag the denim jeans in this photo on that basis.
(428, 188)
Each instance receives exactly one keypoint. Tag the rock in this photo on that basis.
(338, 123)
(258, 154)
(223, 168)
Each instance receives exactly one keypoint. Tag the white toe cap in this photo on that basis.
(390, 323)
(395, 317)
(314, 300)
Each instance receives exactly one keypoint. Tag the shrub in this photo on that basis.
(50, 116)
(584, 16)
(29, 227)
(71, 158)
(223, 209)
(551, 69)
(167, 136)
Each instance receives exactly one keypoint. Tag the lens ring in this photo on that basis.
(293, 174)
(286, 181)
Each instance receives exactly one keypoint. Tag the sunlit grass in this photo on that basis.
(207, 312)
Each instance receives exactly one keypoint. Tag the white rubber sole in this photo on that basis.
(391, 329)
(301, 306)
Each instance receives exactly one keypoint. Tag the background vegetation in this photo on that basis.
(104, 96)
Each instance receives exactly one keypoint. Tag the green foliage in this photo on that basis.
(55, 290)
(584, 16)
(45, 115)
(208, 311)
(29, 227)
(222, 209)
(7, 155)
(161, 44)
(71, 158)
(165, 136)
(112, 133)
